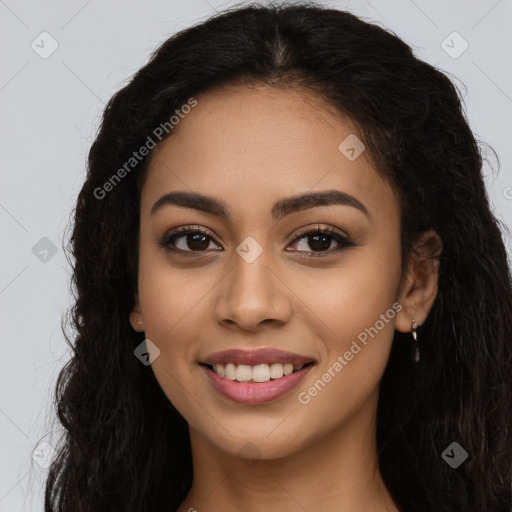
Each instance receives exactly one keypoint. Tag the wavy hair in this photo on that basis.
(125, 447)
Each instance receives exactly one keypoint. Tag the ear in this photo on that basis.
(420, 286)
(136, 316)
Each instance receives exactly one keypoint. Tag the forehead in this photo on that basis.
(252, 145)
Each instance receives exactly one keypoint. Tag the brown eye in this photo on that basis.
(316, 241)
(194, 240)
(319, 240)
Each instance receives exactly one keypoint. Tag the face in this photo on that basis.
(261, 269)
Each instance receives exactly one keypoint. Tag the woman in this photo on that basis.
(291, 292)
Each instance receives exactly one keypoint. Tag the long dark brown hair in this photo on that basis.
(125, 446)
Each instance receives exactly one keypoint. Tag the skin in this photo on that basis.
(251, 147)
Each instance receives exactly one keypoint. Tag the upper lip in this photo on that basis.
(257, 356)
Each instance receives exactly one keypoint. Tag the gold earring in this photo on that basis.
(416, 356)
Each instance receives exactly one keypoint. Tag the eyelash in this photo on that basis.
(344, 242)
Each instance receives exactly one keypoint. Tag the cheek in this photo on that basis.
(358, 309)
(172, 298)
(174, 306)
(358, 330)
(352, 297)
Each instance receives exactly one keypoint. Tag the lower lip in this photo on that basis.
(255, 392)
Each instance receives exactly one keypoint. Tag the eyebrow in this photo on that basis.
(280, 209)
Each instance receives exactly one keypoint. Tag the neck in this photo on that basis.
(334, 472)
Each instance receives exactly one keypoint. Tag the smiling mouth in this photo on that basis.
(255, 373)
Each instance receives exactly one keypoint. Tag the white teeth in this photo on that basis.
(257, 373)
(261, 373)
(220, 369)
(276, 370)
(230, 371)
(243, 372)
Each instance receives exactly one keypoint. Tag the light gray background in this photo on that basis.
(50, 110)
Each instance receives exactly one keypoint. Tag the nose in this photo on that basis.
(252, 296)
